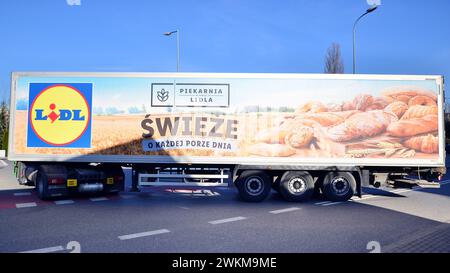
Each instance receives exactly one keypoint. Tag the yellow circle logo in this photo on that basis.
(59, 115)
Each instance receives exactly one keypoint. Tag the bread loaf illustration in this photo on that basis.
(377, 104)
(397, 107)
(419, 111)
(299, 137)
(271, 135)
(362, 101)
(312, 107)
(414, 126)
(405, 93)
(360, 125)
(422, 100)
(264, 149)
(325, 118)
(426, 144)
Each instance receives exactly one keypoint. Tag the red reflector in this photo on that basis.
(118, 178)
(55, 181)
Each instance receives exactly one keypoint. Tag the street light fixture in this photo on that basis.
(369, 10)
(178, 45)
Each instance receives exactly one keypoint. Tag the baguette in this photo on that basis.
(414, 126)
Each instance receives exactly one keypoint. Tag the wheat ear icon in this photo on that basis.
(163, 95)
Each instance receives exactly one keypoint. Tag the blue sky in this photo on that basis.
(401, 37)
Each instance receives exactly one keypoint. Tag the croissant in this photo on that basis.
(364, 124)
(427, 144)
(414, 126)
(418, 111)
(397, 107)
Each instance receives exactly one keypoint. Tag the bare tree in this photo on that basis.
(333, 60)
(4, 122)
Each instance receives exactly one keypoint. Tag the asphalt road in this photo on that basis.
(215, 220)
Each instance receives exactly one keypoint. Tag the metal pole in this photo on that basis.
(178, 50)
(354, 41)
(354, 49)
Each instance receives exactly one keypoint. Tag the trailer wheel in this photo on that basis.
(42, 186)
(339, 186)
(253, 186)
(296, 186)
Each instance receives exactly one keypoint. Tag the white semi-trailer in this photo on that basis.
(296, 133)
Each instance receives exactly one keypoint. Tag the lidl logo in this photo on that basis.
(59, 115)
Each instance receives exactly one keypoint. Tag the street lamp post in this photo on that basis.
(369, 10)
(178, 46)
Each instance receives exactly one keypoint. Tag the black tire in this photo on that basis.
(296, 186)
(339, 186)
(276, 184)
(42, 186)
(253, 186)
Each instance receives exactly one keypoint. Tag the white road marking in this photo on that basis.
(143, 234)
(397, 191)
(221, 221)
(284, 210)
(22, 193)
(401, 191)
(26, 205)
(64, 202)
(127, 196)
(184, 208)
(321, 203)
(45, 250)
(96, 199)
(364, 197)
(332, 203)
